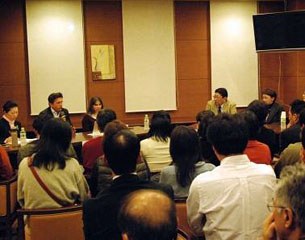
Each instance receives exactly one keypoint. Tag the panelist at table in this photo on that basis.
(220, 103)
(55, 109)
(8, 121)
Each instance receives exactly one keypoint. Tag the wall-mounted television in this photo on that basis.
(279, 31)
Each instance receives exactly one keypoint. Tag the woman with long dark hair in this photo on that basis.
(155, 149)
(94, 106)
(185, 152)
(62, 174)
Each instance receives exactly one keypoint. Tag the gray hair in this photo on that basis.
(291, 191)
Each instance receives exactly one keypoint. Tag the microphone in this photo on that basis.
(62, 115)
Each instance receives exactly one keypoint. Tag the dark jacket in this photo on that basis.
(274, 115)
(290, 135)
(5, 129)
(47, 114)
(100, 213)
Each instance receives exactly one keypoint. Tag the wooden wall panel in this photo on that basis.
(103, 25)
(13, 59)
(193, 58)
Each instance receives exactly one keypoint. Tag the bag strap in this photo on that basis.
(42, 184)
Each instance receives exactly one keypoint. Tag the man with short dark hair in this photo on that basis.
(230, 201)
(93, 149)
(220, 103)
(100, 214)
(292, 133)
(148, 215)
(291, 154)
(55, 109)
(287, 220)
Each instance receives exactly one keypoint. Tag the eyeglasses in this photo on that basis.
(271, 207)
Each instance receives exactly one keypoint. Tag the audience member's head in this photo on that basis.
(269, 96)
(54, 141)
(228, 134)
(113, 127)
(121, 152)
(95, 105)
(203, 115)
(220, 96)
(288, 206)
(160, 127)
(149, 215)
(294, 112)
(259, 109)
(252, 123)
(302, 118)
(206, 118)
(303, 145)
(10, 110)
(56, 101)
(37, 126)
(185, 152)
(103, 117)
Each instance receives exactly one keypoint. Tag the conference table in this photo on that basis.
(78, 139)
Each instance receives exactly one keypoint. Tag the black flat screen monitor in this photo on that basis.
(279, 31)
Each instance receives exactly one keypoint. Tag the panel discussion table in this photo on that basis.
(78, 139)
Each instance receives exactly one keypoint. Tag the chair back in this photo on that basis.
(49, 224)
(182, 217)
(181, 235)
(8, 204)
(8, 196)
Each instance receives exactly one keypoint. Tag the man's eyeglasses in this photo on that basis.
(271, 207)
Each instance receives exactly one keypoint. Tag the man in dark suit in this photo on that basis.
(100, 214)
(55, 109)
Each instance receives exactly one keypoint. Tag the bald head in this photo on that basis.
(148, 214)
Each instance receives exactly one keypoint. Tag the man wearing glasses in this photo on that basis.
(287, 217)
(220, 103)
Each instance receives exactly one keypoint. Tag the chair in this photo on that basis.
(182, 219)
(49, 224)
(8, 204)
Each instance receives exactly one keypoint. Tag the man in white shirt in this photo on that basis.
(230, 202)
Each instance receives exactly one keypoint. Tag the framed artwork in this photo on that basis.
(103, 62)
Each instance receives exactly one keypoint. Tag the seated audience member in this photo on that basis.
(101, 174)
(274, 109)
(155, 149)
(224, 203)
(264, 134)
(256, 151)
(61, 174)
(292, 133)
(149, 215)
(287, 220)
(185, 152)
(6, 169)
(220, 103)
(31, 147)
(95, 105)
(8, 121)
(55, 109)
(207, 152)
(100, 213)
(290, 154)
(93, 149)
(294, 153)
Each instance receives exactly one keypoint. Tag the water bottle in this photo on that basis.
(283, 120)
(146, 122)
(14, 136)
(22, 137)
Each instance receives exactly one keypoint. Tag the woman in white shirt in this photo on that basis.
(155, 149)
